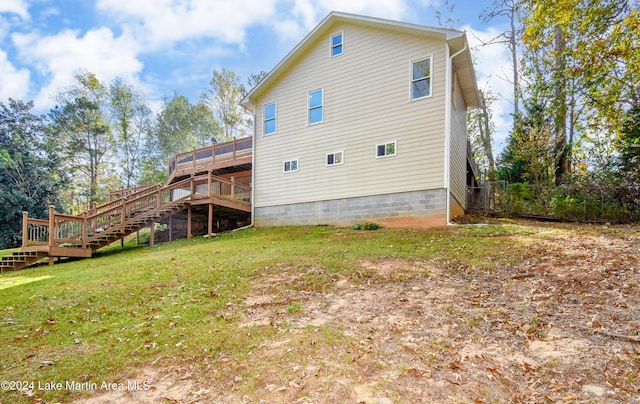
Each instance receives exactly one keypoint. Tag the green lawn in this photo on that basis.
(96, 319)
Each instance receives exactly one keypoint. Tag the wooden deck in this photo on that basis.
(191, 183)
(236, 153)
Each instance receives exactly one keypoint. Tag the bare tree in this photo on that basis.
(508, 9)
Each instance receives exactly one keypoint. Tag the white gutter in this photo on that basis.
(447, 128)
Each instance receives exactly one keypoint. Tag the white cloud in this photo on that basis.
(59, 57)
(14, 82)
(390, 9)
(295, 21)
(12, 13)
(160, 23)
(18, 7)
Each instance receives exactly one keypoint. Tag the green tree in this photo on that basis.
(179, 127)
(529, 155)
(629, 145)
(223, 97)
(589, 49)
(31, 177)
(83, 127)
(131, 120)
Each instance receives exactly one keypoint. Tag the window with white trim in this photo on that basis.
(290, 166)
(336, 44)
(386, 149)
(335, 158)
(270, 118)
(316, 102)
(421, 78)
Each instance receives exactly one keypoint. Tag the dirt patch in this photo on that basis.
(561, 326)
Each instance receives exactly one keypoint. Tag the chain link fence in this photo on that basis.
(574, 203)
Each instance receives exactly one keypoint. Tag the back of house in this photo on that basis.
(364, 120)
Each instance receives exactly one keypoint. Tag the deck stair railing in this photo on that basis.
(79, 235)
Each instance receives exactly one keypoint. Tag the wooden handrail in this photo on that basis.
(128, 192)
(114, 216)
(232, 149)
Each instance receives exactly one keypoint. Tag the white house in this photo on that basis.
(364, 120)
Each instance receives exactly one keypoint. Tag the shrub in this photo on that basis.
(370, 226)
(366, 226)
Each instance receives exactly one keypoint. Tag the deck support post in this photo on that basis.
(170, 227)
(233, 188)
(52, 231)
(189, 221)
(84, 230)
(52, 224)
(123, 215)
(210, 220)
(152, 235)
(25, 228)
(137, 237)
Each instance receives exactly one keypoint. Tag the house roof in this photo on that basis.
(457, 41)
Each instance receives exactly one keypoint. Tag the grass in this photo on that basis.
(94, 320)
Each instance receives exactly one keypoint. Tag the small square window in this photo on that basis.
(335, 158)
(290, 166)
(336, 44)
(386, 149)
(270, 118)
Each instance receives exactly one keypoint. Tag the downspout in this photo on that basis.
(447, 126)
(253, 167)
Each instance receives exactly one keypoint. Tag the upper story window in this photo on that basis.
(386, 149)
(335, 158)
(316, 100)
(336, 44)
(421, 78)
(270, 118)
(290, 166)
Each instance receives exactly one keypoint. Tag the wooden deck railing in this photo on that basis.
(128, 192)
(206, 159)
(112, 218)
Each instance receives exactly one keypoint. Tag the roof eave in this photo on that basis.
(464, 64)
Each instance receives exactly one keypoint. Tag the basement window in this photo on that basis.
(335, 158)
(290, 166)
(386, 149)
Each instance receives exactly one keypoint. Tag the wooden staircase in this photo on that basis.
(81, 235)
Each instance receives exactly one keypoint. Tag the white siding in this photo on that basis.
(458, 161)
(367, 101)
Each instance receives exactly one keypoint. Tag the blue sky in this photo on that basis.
(167, 46)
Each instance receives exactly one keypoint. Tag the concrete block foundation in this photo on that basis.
(407, 209)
